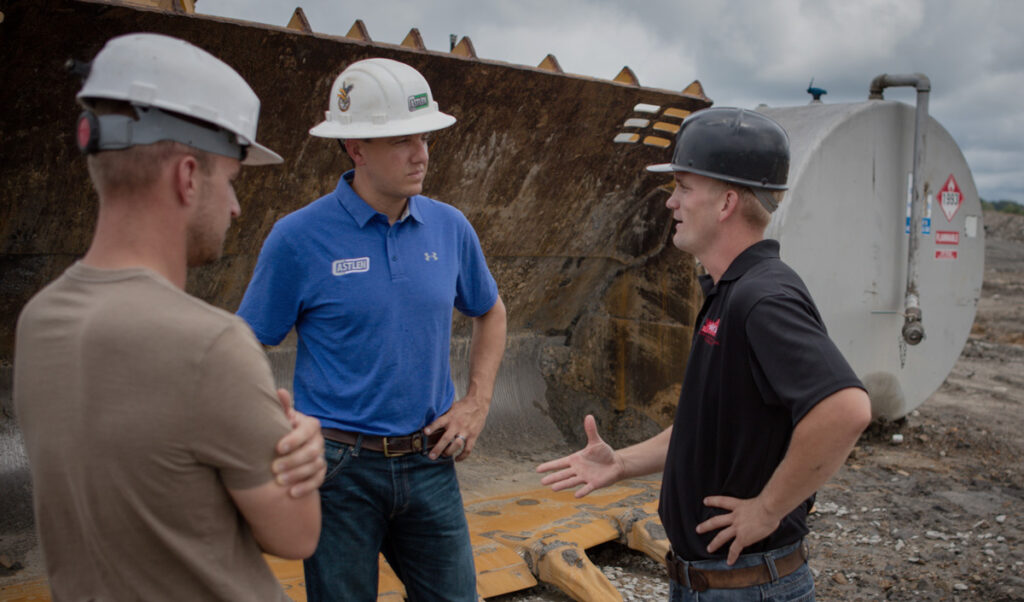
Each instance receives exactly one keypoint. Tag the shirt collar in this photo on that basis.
(361, 211)
(751, 256)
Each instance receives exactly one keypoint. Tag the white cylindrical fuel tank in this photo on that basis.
(844, 227)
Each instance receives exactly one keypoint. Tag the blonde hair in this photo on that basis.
(750, 208)
(131, 170)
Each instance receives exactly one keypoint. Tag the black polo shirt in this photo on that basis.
(760, 359)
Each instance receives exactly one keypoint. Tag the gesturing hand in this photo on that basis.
(595, 466)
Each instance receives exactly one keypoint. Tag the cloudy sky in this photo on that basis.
(744, 52)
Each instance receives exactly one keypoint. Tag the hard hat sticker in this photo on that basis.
(344, 101)
(418, 102)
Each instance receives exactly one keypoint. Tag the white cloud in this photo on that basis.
(744, 52)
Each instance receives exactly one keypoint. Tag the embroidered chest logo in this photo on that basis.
(350, 266)
(710, 331)
(430, 256)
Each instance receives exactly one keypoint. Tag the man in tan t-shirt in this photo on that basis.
(150, 418)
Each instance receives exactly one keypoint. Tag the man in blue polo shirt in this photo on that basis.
(368, 276)
(769, 408)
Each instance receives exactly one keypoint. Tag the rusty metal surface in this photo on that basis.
(575, 231)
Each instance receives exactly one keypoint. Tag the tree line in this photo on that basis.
(1005, 206)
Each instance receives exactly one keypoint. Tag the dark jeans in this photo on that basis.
(798, 586)
(408, 507)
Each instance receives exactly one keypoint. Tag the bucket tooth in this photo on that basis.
(626, 76)
(413, 39)
(550, 63)
(648, 536)
(299, 22)
(499, 569)
(465, 48)
(567, 567)
(358, 31)
(695, 89)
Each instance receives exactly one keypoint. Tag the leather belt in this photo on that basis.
(417, 442)
(703, 580)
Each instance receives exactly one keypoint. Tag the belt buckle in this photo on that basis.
(387, 452)
(698, 582)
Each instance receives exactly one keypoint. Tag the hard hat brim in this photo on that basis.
(257, 154)
(418, 125)
(673, 168)
(663, 168)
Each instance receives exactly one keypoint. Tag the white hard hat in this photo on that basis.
(378, 98)
(152, 70)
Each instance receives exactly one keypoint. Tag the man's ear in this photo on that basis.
(185, 173)
(730, 203)
(354, 148)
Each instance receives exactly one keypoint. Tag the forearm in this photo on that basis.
(485, 352)
(646, 457)
(821, 442)
(283, 526)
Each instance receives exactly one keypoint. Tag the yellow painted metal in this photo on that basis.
(413, 39)
(182, 6)
(550, 63)
(32, 591)
(568, 568)
(358, 31)
(664, 126)
(626, 76)
(551, 531)
(499, 568)
(517, 540)
(465, 48)
(695, 89)
(299, 22)
(657, 141)
(677, 113)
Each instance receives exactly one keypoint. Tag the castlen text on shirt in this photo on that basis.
(342, 267)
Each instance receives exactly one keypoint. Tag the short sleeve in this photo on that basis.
(475, 290)
(795, 359)
(237, 416)
(272, 300)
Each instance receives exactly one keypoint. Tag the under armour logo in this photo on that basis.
(430, 256)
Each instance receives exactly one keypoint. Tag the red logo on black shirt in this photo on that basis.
(710, 331)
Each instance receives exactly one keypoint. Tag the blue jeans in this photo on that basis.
(408, 507)
(797, 586)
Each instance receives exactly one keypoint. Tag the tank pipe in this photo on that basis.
(913, 327)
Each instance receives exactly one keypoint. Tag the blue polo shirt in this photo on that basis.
(372, 306)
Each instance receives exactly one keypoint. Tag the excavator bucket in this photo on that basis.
(547, 166)
(540, 535)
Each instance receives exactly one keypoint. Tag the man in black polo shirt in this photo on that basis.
(769, 409)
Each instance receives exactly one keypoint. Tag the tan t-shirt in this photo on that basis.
(140, 405)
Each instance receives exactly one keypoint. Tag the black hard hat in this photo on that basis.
(735, 145)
